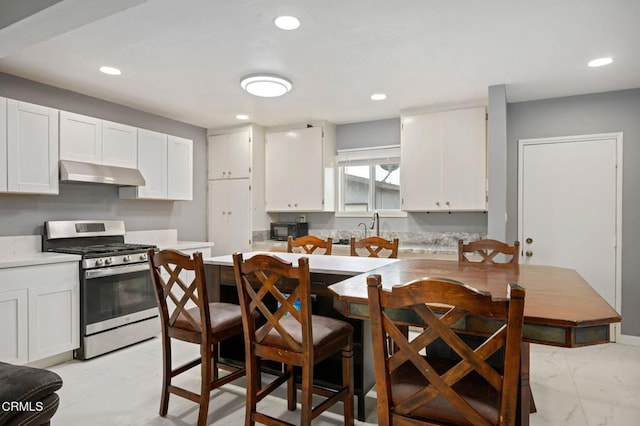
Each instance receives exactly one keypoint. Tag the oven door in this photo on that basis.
(112, 297)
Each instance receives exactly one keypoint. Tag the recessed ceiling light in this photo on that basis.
(600, 62)
(242, 117)
(265, 85)
(287, 23)
(378, 97)
(110, 70)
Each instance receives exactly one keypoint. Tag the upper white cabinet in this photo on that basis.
(443, 161)
(28, 148)
(299, 169)
(91, 140)
(166, 162)
(230, 155)
(179, 168)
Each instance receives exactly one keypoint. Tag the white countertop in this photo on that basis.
(340, 265)
(164, 239)
(183, 245)
(31, 259)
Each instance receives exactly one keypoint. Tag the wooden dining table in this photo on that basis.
(561, 308)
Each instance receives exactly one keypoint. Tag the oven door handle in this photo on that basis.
(116, 270)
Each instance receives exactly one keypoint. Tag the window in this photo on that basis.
(369, 180)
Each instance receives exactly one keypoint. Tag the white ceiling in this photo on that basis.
(185, 59)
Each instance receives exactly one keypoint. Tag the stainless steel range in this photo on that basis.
(117, 301)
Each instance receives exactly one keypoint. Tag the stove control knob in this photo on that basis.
(143, 256)
(126, 258)
(108, 261)
(99, 262)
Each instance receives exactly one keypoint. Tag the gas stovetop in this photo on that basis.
(104, 249)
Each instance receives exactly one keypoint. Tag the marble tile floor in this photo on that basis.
(598, 385)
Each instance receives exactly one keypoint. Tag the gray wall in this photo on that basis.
(596, 113)
(380, 133)
(25, 214)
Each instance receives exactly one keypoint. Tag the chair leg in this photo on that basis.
(307, 395)
(205, 383)
(214, 365)
(166, 374)
(292, 393)
(253, 387)
(347, 364)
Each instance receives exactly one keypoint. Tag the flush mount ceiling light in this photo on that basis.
(287, 23)
(600, 62)
(242, 117)
(265, 85)
(378, 97)
(110, 70)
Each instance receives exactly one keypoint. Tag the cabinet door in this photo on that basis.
(229, 216)
(80, 138)
(119, 145)
(464, 159)
(32, 148)
(229, 156)
(421, 162)
(54, 325)
(152, 163)
(179, 168)
(3, 144)
(294, 172)
(14, 320)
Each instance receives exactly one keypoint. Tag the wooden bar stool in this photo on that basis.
(375, 246)
(488, 250)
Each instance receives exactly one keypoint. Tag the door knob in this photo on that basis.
(529, 240)
(528, 253)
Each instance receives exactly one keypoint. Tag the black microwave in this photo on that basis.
(280, 231)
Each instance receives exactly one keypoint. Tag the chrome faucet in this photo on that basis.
(375, 221)
(364, 226)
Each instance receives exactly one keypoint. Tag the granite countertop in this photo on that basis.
(35, 258)
(409, 249)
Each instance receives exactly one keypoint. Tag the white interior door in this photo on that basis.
(569, 203)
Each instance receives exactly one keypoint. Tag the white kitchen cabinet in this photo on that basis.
(80, 138)
(3, 144)
(443, 161)
(119, 145)
(92, 140)
(31, 148)
(179, 168)
(230, 155)
(14, 320)
(166, 162)
(39, 311)
(229, 215)
(53, 319)
(299, 169)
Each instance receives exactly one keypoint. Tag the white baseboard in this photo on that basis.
(628, 340)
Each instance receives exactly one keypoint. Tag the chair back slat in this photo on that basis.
(269, 274)
(309, 244)
(488, 249)
(374, 247)
(442, 306)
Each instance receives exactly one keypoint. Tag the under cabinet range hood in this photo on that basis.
(73, 171)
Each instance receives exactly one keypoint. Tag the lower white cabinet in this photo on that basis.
(39, 312)
(229, 215)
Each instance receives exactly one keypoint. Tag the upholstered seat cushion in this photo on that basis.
(406, 381)
(28, 385)
(223, 317)
(326, 330)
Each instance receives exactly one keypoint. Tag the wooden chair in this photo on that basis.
(419, 385)
(488, 249)
(289, 336)
(309, 244)
(206, 324)
(374, 246)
